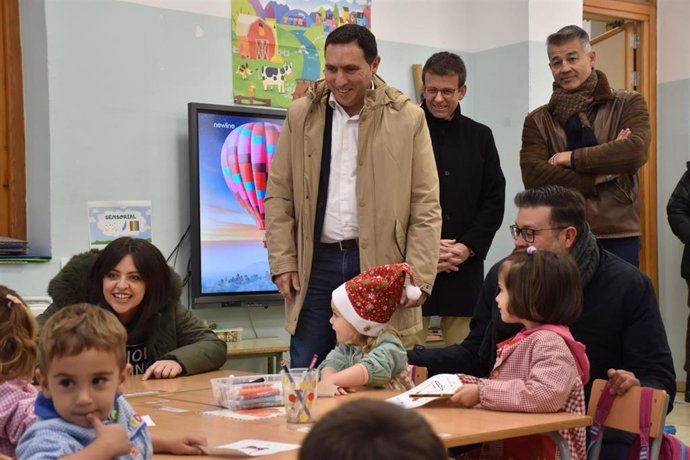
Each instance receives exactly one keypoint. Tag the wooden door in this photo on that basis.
(643, 15)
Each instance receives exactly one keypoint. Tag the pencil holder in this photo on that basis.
(248, 392)
(299, 394)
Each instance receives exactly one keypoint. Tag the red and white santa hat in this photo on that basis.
(368, 300)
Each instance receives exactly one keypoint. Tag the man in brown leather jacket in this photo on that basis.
(592, 138)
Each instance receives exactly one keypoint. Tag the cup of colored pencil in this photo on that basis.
(299, 393)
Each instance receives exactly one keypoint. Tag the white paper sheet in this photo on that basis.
(443, 385)
(249, 448)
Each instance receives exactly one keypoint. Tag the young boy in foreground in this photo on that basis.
(82, 413)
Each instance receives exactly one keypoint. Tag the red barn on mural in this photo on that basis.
(255, 37)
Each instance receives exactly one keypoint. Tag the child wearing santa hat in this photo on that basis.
(369, 351)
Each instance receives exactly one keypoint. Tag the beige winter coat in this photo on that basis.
(397, 192)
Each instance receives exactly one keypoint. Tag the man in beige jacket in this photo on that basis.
(352, 185)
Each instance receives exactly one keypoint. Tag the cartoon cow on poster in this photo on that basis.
(275, 76)
(243, 71)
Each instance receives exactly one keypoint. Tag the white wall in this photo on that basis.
(673, 128)
(673, 40)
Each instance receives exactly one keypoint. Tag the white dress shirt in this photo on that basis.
(341, 220)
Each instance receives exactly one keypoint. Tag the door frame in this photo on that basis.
(645, 15)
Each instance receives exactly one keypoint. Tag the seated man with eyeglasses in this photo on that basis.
(620, 324)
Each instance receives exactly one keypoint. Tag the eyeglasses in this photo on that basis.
(528, 234)
(447, 93)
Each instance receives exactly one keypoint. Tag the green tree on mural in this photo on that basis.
(241, 7)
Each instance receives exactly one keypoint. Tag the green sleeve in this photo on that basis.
(198, 348)
(386, 360)
(338, 358)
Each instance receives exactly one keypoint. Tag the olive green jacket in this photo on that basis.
(175, 333)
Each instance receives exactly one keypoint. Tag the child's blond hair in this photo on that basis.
(369, 342)
(78, 328)
(17, 337)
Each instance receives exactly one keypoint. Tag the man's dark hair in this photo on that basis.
(349, 33)
(445, 63)
(568, 33)
(368, 429)
(567, 205)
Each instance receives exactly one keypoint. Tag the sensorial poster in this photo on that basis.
(109, 220)
(277, 45)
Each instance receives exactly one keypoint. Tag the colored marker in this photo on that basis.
(313, 361)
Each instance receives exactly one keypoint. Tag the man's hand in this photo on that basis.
(467, 395)
(288, 285)
(621, 381)
(451, 255)
(163, 369)
(563, 158)
(112, 440)
(623, 134)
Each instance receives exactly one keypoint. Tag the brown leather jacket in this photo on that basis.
(613, 208)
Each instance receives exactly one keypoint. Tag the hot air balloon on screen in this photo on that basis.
(246, 159)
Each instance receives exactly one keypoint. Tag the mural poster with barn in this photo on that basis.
(277, 45)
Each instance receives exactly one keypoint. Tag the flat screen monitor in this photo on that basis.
(231, 148)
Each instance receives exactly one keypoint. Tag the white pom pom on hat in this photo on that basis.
(413, 292)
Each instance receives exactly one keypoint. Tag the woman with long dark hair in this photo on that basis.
(131, 278)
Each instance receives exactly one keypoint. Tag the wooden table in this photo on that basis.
(271, 348)
(455, 426)
(136, 388)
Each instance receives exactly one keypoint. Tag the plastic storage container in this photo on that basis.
(248, 392)
(229, 334)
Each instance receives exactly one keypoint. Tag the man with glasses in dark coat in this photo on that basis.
(472, 193)
(620, 324)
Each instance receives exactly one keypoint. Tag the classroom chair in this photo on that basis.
(625, 415)
(418, 374)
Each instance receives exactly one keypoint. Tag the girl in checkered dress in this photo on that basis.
(17, 362)
(542, 368)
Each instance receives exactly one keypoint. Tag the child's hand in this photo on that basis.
(111, 439)
(326, 388)
(182, 445)
(466, 395)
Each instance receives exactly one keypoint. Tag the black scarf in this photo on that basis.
(586, 254)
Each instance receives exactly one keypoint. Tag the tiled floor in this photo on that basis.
(680, 417)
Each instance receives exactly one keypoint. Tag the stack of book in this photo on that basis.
(12, 246)
(14, 250)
